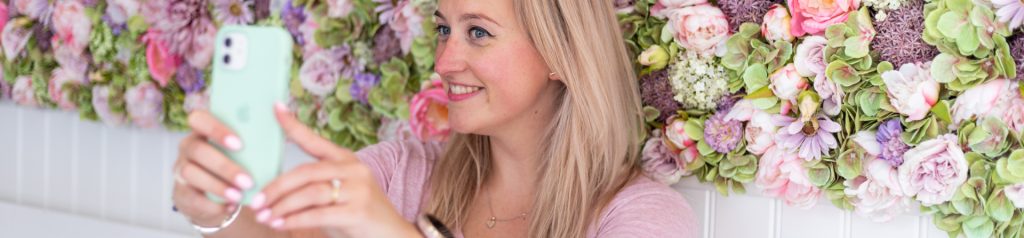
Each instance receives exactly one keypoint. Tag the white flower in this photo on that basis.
(698, 82)
(877, 194)
(912, 91)
(810, 56)
(933, 170)
(786, 83)
(1010, 12)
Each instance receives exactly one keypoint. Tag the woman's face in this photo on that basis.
(494, 76)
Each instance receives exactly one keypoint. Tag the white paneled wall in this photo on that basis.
(119, 177)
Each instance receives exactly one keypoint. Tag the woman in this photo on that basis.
(547, 121)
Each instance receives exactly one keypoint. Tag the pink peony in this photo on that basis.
(71, 26)
(659, 163)
(70, 60)
(663, 8)
(760, 133)
(998, 98)
(786, 83)
(23, 93)
(699, 29)
(933, 170)
(429, 112)
(831, 95)
(810, 57)
(320, 73)
(14, 38)
(101, 96)
(58, 81)
(781, 174)
(1015, 193)
(876, 194)
(162, 64)
(912, 91)
(813, 16)
(776, 24)
(678, 142)
(144, 103)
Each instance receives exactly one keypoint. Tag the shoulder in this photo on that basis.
(402, 149)
(645, 208)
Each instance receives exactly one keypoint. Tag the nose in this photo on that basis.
(450, 57)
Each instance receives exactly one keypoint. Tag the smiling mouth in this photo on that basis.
(461, 92)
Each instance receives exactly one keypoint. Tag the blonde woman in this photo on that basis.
(547, 121)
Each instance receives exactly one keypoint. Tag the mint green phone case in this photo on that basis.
(251, 70)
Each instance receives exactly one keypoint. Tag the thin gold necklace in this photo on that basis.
(493, 220)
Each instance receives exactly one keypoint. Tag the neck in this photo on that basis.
(515, 162)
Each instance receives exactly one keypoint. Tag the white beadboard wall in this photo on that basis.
(61, 171)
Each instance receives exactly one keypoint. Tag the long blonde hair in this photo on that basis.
(592, 144)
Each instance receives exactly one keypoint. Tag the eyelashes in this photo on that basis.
(475, 32)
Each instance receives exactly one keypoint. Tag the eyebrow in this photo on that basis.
(468, 16)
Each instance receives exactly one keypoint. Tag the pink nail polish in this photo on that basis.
(233, 195)
(263, 215)
(232, 142)
(277, 223)
(257, 201)
(280, 107)
(243, 181)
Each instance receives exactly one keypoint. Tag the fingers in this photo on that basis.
(210, 159)
(207, 126)
(317, 217)
(309, 141)
(299, 177)
(308, 197)
(194, 205)
(206, 182)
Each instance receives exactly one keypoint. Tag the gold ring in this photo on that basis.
(335, 190)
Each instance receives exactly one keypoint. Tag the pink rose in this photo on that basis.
(663, 8)
(319, 74)
(659, 163)
(101, 96)
(912, 91)
(810, 57)
(699, 29)
(162, 64)
(876, 194)
(760, 133)
(70, 60)
(3, 15)
(429, 112)
(71, 26)
(776, 24)
(1015, 193)
(58, 81)
(781, 174)
(933, 170)
(144, 104)
(678, 142)
(122, 10)
(14, 38)
(831, 94)
(786, 83)
(997, 98)
(813, 16)
(23, 93)
(339, 8)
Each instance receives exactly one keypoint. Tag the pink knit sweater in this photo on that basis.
(644, 208)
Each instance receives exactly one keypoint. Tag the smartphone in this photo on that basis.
(251, 70)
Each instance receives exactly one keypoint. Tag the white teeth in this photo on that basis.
(458, 89)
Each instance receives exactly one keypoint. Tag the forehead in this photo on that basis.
(500, 11)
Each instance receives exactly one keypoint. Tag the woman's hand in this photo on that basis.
(305, 197)
(202, 169)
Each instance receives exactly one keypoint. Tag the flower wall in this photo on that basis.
(879, 106)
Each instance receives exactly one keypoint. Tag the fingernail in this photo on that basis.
(280, 107)
(233, 194)
(232, 142)
(243, 181)
(263, 215)
(257, 201)
(277, 223)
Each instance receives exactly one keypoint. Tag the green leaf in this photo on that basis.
(942, 68)
(978, 227)
(941, 111)
(755, 77)
(695, 129)
(952, 24)
(857, 47)
(999, 207)
(842, 73)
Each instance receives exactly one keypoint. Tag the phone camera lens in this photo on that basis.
(227, 42)
(227, 59)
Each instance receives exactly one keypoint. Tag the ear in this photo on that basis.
(554, 76)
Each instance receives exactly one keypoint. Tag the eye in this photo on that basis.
(443, 30)
(478, 33)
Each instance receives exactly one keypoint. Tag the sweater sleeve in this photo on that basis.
(648, 209)
(402, 168)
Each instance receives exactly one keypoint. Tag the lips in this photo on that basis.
(459, 92)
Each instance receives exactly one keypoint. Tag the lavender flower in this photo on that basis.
(363, 83)
(234, 12)
(812, 138)
(722, 135)
(189, 78)
(740, 11)
(386, 45)
(656, 91)
(1017, 51)
(293, 17)
(899, 36)
(403, 17)
(42, 34)
(892, 144)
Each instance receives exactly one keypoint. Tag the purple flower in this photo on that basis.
(101, 99)
(722, 135)
(1017, 51)
(899, 36)
(293, 17)
(185, 26)
(656, 91)
(403, 17)
(811, 139)
(892, 144)
(362, 85)
(189, 78)
(740, 11)
(144, 103)
(234, 12)
(385, 45)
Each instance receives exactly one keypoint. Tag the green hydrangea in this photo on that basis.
(972, 42)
